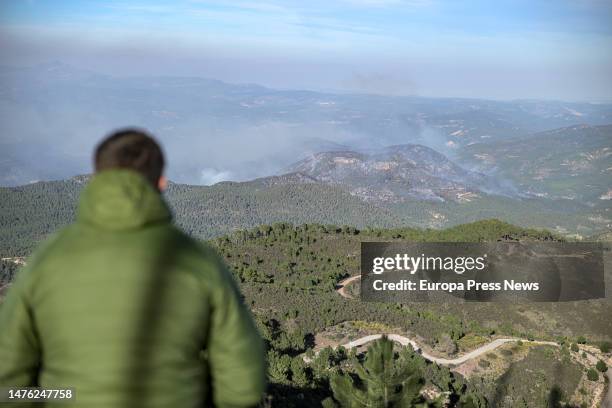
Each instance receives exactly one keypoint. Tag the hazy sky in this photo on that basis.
(495, 49)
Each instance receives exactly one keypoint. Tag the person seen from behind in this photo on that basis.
(125, 308)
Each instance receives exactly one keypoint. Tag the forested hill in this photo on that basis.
(302, 264)
(289, 275)
(29, 213)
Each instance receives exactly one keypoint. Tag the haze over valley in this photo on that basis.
(429, 162)
(53, 114)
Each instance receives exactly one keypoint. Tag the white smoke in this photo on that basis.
(210, 176)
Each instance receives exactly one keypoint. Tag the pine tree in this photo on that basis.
(383, 382)
(592, 374)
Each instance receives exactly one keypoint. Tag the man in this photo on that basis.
(126, 309)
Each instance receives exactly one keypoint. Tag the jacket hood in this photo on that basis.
(121, 200)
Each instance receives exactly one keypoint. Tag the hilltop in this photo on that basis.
(394, 174)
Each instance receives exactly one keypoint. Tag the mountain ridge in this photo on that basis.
(200, 117)
(393, 174)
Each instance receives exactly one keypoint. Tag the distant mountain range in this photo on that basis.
(573, 163)
(52, 115)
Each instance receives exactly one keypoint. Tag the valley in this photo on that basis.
(578, 168)
(408, 185)
(218, 131)
(286, 184)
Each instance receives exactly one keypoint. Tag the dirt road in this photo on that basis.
(344, 283)
(404, 341)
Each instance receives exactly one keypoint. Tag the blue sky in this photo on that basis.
(495, 49)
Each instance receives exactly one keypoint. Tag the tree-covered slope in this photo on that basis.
(288, 275)
(226, 207)
(31, 212)
(302, 265)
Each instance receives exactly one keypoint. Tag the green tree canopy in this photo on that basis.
(382, 381)
(592, 375)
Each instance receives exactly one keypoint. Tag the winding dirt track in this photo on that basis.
(404, 341)
(344, 283)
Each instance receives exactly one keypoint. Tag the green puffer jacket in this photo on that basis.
(129, 311)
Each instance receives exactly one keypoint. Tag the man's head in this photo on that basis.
(135, 150)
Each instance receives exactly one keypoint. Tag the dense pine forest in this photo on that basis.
(301, 266)
(31, 212)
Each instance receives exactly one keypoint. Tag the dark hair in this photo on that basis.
(131, 149)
